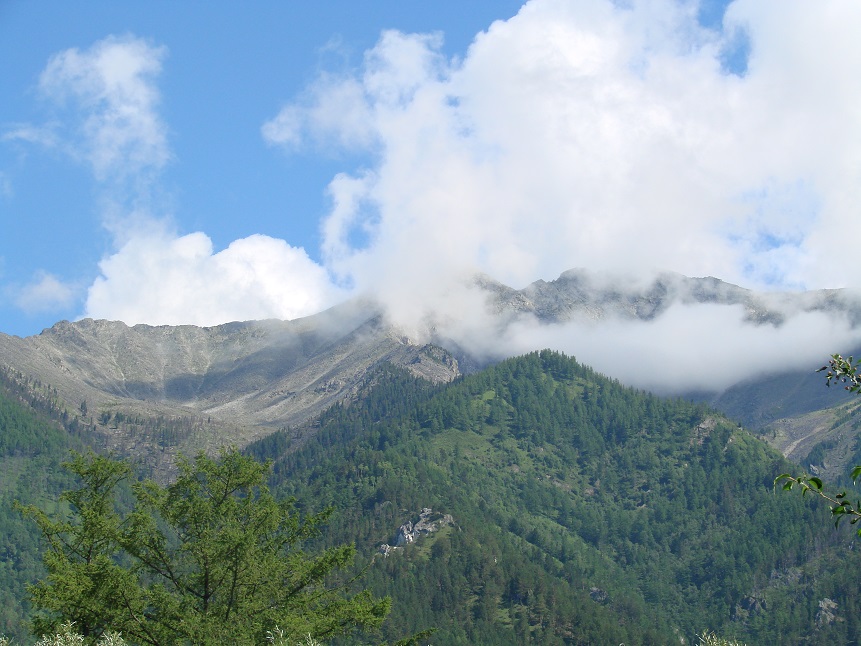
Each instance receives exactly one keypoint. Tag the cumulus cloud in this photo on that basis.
(170, 280)
(108, 100)
(604, 135)
(345, 110)
(614, 136)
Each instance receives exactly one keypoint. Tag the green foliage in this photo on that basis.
(32, 447)
(840, 505)
(843, 371)
(585, 512)
(213, 558)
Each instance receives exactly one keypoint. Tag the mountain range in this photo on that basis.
(581, 510)
(244, 380)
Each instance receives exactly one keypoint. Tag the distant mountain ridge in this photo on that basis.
(585, 295)
(241, 381)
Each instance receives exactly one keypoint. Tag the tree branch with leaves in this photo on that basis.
(847, 372)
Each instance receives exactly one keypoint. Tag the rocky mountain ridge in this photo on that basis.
(579, 294)
(244, 379)
(240, 381)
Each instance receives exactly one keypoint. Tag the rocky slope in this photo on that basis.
(238, 380)
(579, 294)
(235, 382)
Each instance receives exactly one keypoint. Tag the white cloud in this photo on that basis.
(112, 92)
(168, 280)
(600, 135)
(46, 293)
(344, 111)
(154, 275)
(689, 347)
(610, 136)
(334, 110)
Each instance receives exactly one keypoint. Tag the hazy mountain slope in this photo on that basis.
(792, 409)
(235, 381)
(155, 389)
(585, 512)
(797, 414)
(585, 295)
(756, 403)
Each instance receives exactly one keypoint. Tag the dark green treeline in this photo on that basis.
(586, 512)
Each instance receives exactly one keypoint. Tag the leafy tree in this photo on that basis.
(845, 371)
(212, 558)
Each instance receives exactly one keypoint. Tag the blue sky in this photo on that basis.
(228, 68)
(191, 162)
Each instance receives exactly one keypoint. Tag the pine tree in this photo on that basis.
(213, 558)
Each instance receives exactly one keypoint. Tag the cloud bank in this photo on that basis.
(621, 137)
(183, 281)
(598, 135)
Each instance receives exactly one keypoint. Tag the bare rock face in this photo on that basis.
(827, 613)
(408, 533)
(239, 380)
(427, 523)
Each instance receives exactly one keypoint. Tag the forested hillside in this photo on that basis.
(33, 443)
(584, 512)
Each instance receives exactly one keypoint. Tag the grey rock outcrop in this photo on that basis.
(244, 379)
(827, 613)
(408, 533)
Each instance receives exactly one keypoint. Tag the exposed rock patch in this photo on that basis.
(408, 533)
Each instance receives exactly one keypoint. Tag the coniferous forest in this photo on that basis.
(584, 512)
(32, 447)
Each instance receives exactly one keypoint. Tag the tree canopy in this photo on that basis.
(212, 558)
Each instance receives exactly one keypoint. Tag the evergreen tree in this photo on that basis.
(211, 559)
